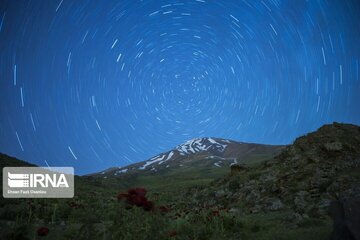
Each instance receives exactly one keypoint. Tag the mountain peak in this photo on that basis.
(196, 145)
(199, 154)
(202, 144)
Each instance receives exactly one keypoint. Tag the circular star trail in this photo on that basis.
(98, 84)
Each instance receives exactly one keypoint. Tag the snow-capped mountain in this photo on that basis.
(202, 144)
(199, 153)
(193, 146)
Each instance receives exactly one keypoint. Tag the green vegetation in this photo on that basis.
(101, 216)
(286, 197)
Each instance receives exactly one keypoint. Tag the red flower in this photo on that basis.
(43, 231)
(136, 200)
(216, 213)
(137, 191)
(132, 191)
(136, 196)
(148, 206)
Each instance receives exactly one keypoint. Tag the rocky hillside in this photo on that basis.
(300, 182)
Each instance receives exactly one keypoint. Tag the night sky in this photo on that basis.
(96, 84)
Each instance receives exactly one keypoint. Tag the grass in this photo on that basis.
(101, 216)
(95, 213)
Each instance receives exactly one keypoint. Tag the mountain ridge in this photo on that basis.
(222, 152)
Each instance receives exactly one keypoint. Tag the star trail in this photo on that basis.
(96, 84)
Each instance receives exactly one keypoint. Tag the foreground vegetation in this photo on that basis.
(286, 197)
(96, 215)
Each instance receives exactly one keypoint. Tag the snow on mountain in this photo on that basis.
(153, 160)
(168, 157)
(121, 171)
(199, 153)
(189, 147)
(217, 164)
(200, 144)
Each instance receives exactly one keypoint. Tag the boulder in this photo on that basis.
(346, 216)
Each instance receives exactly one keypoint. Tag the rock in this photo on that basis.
(220, 193)
(253, 196)
(275, 204)
(255, 209)
(268, 177)
(346, 216)
(234, 210)
(333, 146)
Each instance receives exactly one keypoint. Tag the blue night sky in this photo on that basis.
(96, 84)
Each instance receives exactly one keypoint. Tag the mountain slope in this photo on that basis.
(198, 160)
(7, 161)
(301, 181)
